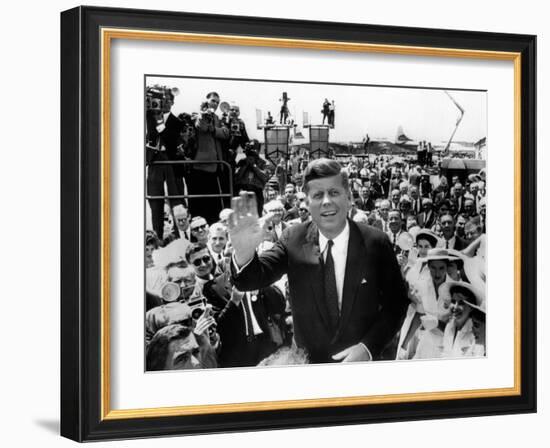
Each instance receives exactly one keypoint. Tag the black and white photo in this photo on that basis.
(278, 235)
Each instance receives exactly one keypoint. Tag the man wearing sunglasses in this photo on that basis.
(199, 230)
(199, 258)
(303, 214)
(243, 329)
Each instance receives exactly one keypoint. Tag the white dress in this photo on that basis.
(430, 336)
(422, 316)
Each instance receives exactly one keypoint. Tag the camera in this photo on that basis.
(252, 149)
(198, 306)
(252, 154)
(234, 122)
(156, 97)
(187, 137)
(154, 103)
(231, 118)
(235, 127)
(206, 109)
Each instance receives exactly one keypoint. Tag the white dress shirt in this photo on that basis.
(278, 230)
(250, 297)
(218, 258)
(162, 126)
(339, 255)
(443, 243)
(394, 237)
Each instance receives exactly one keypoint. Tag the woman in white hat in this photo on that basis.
(424, 280)
(425, 240)
(435, 317)
(465, 331)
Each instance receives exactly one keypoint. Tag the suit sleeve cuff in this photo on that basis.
(366, 350)
(238, 269)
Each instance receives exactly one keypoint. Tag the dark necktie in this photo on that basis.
(331, 292)
(446, 244)
(248, 315)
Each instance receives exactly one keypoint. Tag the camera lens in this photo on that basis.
(198, 312)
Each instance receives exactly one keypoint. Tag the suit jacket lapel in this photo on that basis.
(356, 266)
(313, 256)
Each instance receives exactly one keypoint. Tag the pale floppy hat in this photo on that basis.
(439, 254)
(427, 234)
(446, 290)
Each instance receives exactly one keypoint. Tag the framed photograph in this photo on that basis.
(276, 224)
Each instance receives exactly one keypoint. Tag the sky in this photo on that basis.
(424, 114)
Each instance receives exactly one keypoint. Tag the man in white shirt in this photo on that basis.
(217, 241)
(450, 240)
(303, 214)
(181, 217)
(383, 213)
(199, 229)
(198, 256)
(395, 225)
(276, 210)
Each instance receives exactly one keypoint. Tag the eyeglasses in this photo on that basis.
(203, 260)
(196, 229)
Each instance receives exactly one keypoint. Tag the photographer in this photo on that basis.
(238, 137)
(162, 134)
(205, 178)
(251, 174)
(237, 129)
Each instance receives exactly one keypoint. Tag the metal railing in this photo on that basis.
(193, 196)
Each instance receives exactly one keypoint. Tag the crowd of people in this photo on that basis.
(210, 303)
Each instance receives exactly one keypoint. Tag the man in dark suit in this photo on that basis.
(426, 219)
(416, 201)
(346, 292)
(364, 201)
(244, 329)
(163, 130)
(276, 212)
(208, 178)
(450, 240)
(457, 197)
